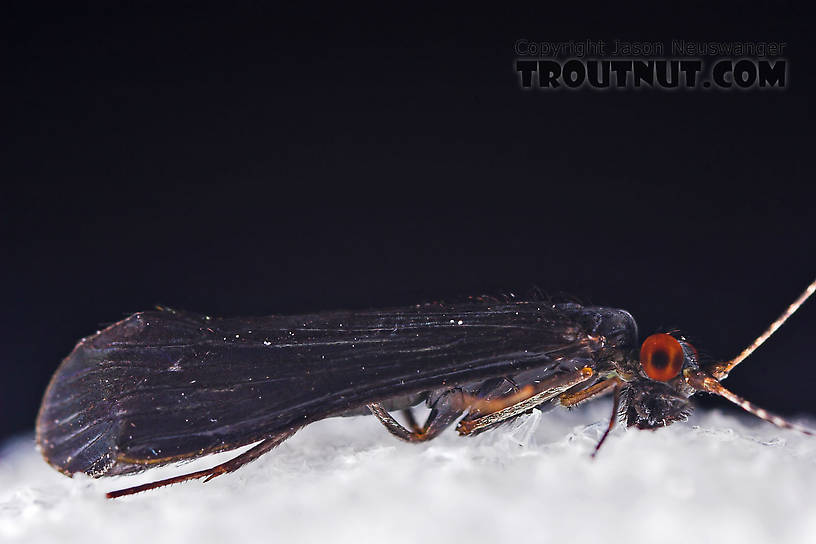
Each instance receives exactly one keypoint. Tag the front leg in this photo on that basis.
(488, 412)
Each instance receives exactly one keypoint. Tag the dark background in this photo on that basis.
(263, 161)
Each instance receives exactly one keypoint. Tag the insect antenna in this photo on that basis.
(721, 370)
(702, 382)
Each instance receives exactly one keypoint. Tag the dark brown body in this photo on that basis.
(161, 386)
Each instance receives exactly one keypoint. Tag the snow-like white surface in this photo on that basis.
(713, 479)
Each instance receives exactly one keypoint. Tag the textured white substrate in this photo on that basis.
(713, 479)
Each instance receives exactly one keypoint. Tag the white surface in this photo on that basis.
(713, 479)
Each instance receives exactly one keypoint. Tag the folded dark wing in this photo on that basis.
(165, 385)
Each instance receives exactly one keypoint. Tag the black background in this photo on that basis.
(259, 161)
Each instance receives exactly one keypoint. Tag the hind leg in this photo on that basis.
(229, 466)
(446, 410)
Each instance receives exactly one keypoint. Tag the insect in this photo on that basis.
(163, 386)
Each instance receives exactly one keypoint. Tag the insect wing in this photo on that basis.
(162, 385)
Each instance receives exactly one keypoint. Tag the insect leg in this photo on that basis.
(392, 425)
(487, 412)
(601, 388)
(229, 466)
(614, 417)
(446, 409)
(411, 420)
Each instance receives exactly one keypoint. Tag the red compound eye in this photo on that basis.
(661, 357)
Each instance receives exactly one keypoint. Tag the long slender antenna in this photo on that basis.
(699, 380)
(721, 370)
